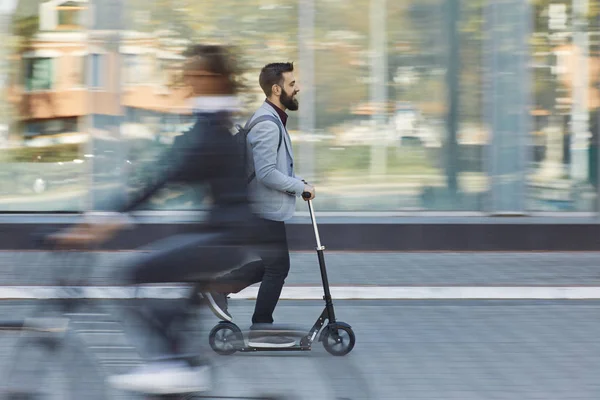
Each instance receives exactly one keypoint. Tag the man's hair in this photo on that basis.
(216, 59)
(271, 74)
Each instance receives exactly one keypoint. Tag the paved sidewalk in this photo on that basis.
(348, 268)
(468, 350)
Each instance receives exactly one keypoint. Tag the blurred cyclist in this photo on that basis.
(205, 154)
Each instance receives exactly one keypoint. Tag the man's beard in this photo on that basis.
(288, 102)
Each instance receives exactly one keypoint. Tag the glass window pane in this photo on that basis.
(39, 74)
(396, 134)
(97, 72)
(69, 17)
(42, 119)
(564, 141)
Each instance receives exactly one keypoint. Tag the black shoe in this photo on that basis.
(218, 304)
(259, 339)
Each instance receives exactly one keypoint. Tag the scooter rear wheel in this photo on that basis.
(225, 338)
(339, 340)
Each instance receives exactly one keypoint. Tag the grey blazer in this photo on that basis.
(274, 190)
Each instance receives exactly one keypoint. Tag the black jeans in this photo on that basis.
(187, 258)
(271, 270)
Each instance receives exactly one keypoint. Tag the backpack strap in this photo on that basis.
(264, 118)
(251, 124)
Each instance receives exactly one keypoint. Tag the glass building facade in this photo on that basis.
(406, 106)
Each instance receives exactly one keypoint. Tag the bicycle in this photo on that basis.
(81, 333)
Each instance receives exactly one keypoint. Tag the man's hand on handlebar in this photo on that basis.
(309, 192)
(88, 233)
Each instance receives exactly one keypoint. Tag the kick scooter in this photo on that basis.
(337, 337)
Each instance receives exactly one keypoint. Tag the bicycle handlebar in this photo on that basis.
(42, 238)
(47, 239)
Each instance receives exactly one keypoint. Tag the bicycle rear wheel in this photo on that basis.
(50, 364)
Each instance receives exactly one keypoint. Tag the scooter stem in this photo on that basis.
(314, 223)
(328, 313)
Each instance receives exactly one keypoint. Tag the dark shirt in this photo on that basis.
(207, 153)
(280, 112)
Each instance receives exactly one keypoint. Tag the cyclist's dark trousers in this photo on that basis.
(187, 258)
(271, 270)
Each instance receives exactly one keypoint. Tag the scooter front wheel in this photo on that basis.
(225, 338)
(338, 340)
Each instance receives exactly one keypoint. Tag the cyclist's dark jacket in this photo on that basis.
(207, 153)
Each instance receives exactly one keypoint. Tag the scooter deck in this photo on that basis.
(275, 332)
(301, 337)
(241, 342)
(302, 344)
(298, 347)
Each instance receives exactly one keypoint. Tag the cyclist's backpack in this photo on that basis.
(242, 136)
